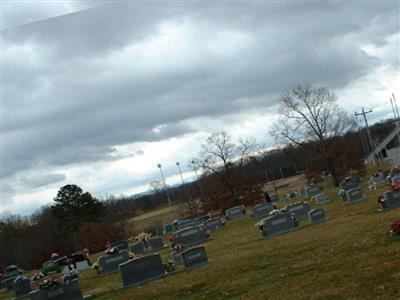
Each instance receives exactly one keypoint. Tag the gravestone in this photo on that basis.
(352, 183)
(235, 212)
(190, 236)
(154, 244)
(274, 198)
(378, 180)
(316, 215)
(169, 228)
(313, 190)
(261, 210)
(189, 223)
(300, 209)
(80, 266)
(122, 246)
(141, 270)
(110, 263)
(302, 191)
(137, 248)
(320, 198)
(354, 195)
(395, 179)
(22, 286)
(177, 256)
(277, 224)
(70, 291)
(194, 257)
(392, 199)
(213, 224)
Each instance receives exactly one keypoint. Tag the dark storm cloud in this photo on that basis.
(76, 85)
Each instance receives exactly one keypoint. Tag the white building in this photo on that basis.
(389, 148)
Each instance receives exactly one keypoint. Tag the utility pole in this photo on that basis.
(363, 142)
(364, 114)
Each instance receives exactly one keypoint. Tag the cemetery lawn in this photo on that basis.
(350, 256)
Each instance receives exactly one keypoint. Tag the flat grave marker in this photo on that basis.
(194, 257)
(141, 270)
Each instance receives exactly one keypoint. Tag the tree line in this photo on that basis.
(314, 135)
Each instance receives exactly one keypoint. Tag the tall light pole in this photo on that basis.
(165, 186)
(183, 182)
(197, 178)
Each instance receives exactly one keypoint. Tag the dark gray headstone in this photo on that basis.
(194, 257)
(80, 266)
(278, 224)
(316, 215)
(274, 198)
(189, 223)
(354, 195)
(22, 286)
(190, 236)
(110, 263)
(177, 257)
(154, 244)
(141, 270)
(352, 183)
(122, 246)
(169, 228)
(378, 180)
(213, 223)
(137, 248)
(395, 179)
(300, 209)
(312, 191)
(71, 291)
(234, 213)
(261, 210)
(320, 198)
(392, 199)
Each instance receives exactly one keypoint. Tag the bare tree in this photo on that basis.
(310, 117)
(224, 158)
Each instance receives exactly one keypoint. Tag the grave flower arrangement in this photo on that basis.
(395, 227)
(395, 186)
(50, 284)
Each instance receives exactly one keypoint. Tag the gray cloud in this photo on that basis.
(76, 85)
(41, 180)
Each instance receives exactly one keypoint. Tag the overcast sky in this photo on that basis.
(97, 93)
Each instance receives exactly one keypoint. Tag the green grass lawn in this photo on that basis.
(350, 256)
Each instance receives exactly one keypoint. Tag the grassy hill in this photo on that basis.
(350, 256)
